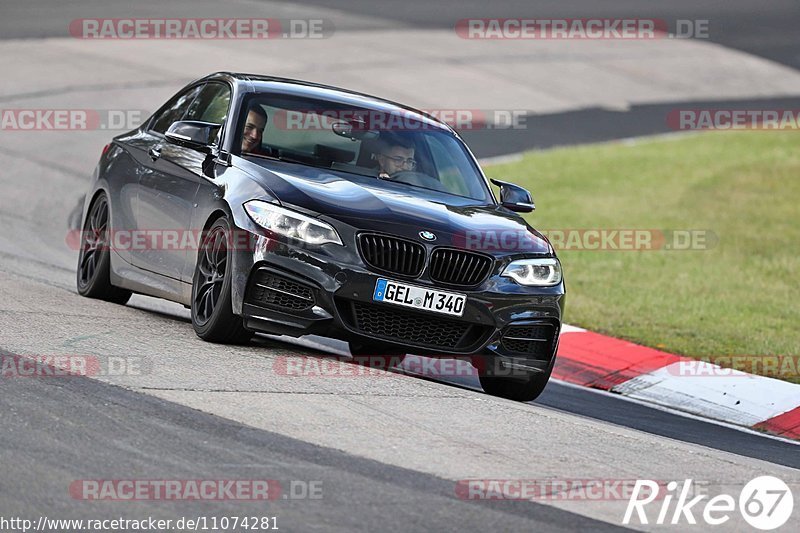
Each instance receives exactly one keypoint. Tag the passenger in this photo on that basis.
(254, 131)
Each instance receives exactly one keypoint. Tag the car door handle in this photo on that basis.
(154, 152)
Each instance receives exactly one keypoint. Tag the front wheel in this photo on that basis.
(520, 389)
(212, 311)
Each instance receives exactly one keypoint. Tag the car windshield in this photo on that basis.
(399, 147)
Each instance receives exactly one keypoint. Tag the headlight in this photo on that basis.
(534, 272)
(291, 223)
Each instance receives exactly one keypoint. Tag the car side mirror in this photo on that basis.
(193, 134)
(514, 197)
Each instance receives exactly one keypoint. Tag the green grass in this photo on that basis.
(741, 297)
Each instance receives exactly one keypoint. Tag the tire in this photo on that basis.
(93, 275)
(524, 389)
(212, 311)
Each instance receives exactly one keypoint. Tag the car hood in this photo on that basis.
(376, 205)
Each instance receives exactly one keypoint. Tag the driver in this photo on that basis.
(254, 130)
(395, 154)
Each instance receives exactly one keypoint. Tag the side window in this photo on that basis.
(174, 110)
(211, 105)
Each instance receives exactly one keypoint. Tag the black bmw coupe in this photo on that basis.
(285, 207)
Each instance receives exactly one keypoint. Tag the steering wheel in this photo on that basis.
(411, 177)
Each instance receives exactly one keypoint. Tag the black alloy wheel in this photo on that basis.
(94, 260)
(212, 310)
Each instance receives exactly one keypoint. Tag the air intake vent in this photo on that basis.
(269, 289)
(411, 328)
(534, 340)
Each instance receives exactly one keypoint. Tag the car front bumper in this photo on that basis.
(283, 289)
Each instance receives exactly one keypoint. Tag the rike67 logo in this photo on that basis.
(765, 503)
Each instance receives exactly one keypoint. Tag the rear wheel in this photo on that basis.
(212, 311)
(521, 389)
(94, 259)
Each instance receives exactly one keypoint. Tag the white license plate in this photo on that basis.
(448, 303)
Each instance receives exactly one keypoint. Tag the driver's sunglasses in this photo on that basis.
(402, 161)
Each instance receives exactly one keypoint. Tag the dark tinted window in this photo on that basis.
(174, 110)
(211, 105)
(394, 145)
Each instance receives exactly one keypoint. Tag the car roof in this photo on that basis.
(250, 83)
